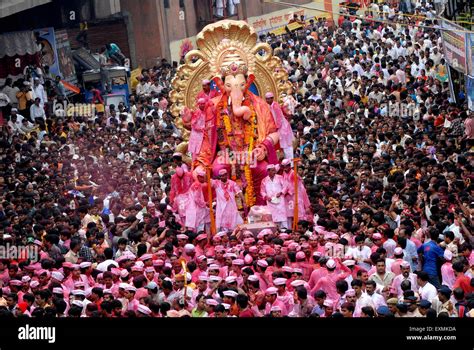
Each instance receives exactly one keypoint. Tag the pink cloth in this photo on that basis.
(202, 94)
(179, 197)
(196, 213)
(69, 283)
(227, 214)
(284, 128)
(287, 300)
(303, 200)
(447, 274)
(328, 284)
(397, 281)
(268, 307)
(396, 266)
(198, 123)
(316, 275)
(270, 188)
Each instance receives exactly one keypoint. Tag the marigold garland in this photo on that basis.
(250, 132)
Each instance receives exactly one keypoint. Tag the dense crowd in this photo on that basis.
(386, 161)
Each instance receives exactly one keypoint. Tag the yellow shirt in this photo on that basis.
(23, 98)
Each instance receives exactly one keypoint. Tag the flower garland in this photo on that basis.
(250, 133)
(249, 137)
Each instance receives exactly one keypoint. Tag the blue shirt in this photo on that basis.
(431, 251)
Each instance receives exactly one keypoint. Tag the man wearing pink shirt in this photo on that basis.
(284, 296)
(398, 254)
(227, 214)
(328, 282)
(271, 297)
(447, 272)
(316, 275)
(405, 275)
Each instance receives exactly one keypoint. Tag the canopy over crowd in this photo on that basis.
(385, 216)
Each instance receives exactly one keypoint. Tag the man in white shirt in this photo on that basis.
(405, 275)
(39, 92)
(15, 121)
(361, 253)
(377, 298)
(36, 111)
(362, 299)
(143, 88)
(426, 290)
(382, 277)
(11, 92)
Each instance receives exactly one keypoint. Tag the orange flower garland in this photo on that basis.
(250, 132)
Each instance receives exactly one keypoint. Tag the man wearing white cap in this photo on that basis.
(227, 214)
(181, 182)
(39, 91)
(197, 212)
(206, 93)
(284, 127)
(271, 297)
(328, 282)
(273, 190)
(283, 295)
(197, 120)
(304, 204)
(447, 273)
(395, 288)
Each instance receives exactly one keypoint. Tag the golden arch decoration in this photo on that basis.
(204, 63)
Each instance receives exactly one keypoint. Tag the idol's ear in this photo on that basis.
(250, 80)
(219, 83)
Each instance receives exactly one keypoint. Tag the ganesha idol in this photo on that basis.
(231, 127)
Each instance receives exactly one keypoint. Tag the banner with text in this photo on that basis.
(454, 45)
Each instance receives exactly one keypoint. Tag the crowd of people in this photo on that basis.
(386, 160)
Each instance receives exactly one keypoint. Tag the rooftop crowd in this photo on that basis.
(386, 161)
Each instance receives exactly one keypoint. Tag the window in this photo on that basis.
(224, 8)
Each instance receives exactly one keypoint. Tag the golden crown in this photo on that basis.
(234, 68)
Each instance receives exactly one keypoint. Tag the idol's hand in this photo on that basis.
(260, 153)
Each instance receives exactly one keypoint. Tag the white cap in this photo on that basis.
(279, 281)
(231, 279)
(143, 309)
(189, 247)
(398, 251)
(271, 290)
(212, 302)
(297, 283)
(253, 278)
(230, 293)
(57, 275)
(349, 262)
(130, 288)
(78, 292)
(85, 264)
(78, 303)
(215, 279)
(331, 264)
(275, 308)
